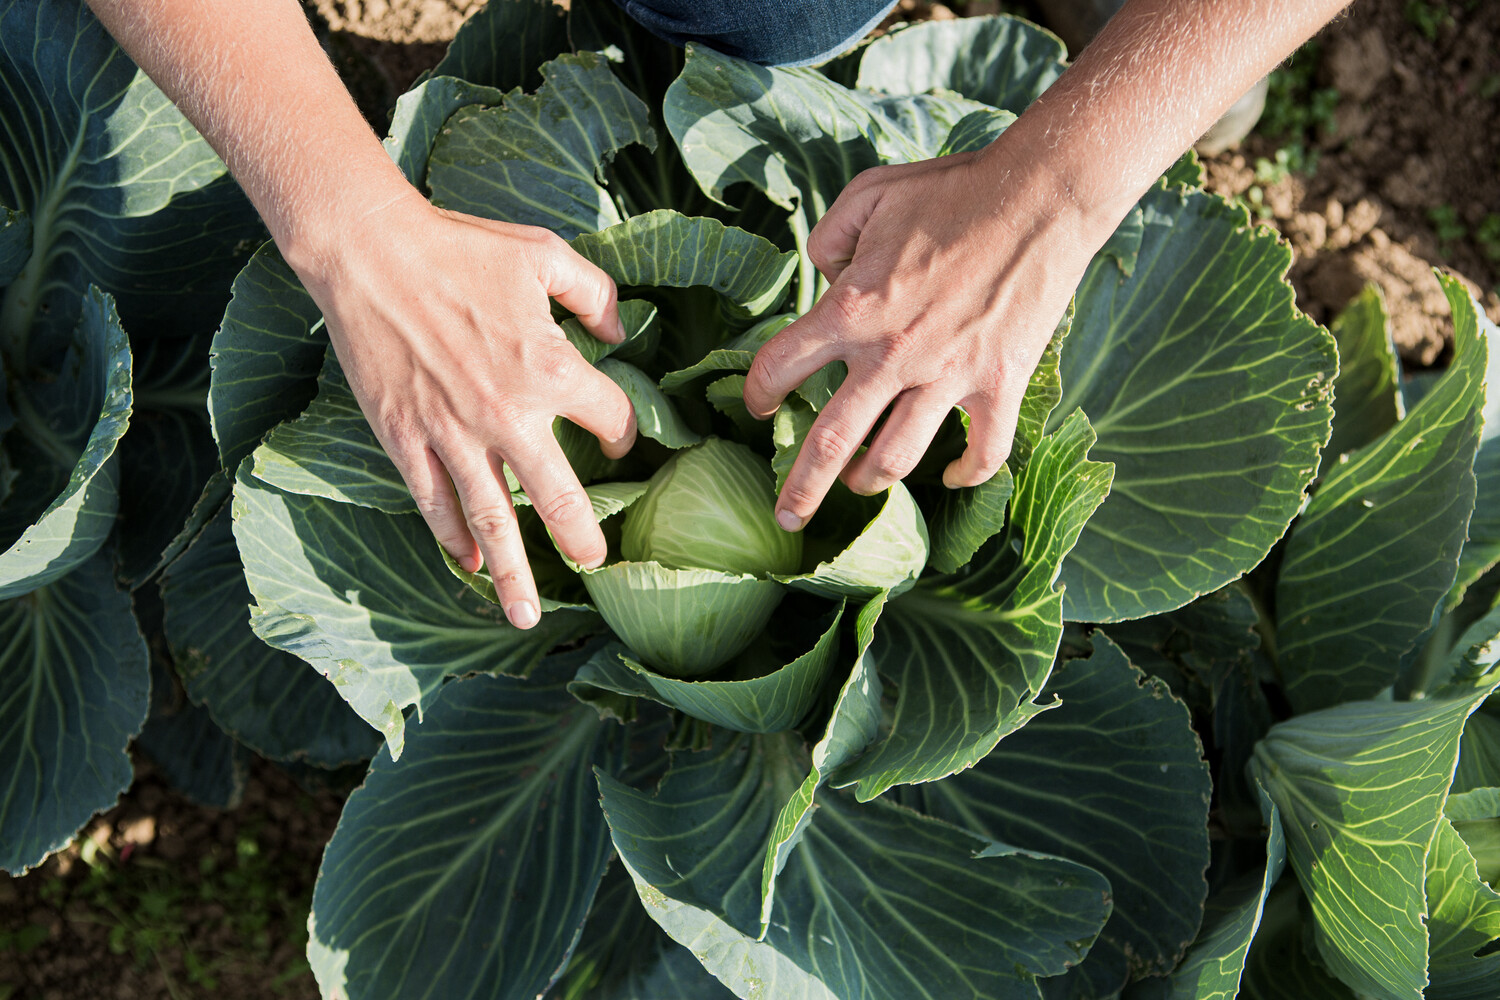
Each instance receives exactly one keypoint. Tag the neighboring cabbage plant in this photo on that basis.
(120, 232)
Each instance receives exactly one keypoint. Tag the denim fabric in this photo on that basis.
(769, 32)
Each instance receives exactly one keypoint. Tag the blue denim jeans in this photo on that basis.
(769, 32)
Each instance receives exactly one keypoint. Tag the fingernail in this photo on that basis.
(619, 328)
(788, 520)
(522, 614)
(471, 563)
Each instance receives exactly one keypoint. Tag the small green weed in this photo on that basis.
(1288, 160)
(1446, 227)
(1295, 105)
(153, 914)
(24, 939)
(1487, 235)
(1428, 17)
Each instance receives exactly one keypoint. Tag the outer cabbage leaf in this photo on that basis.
(624, 955)
(1482, 550)
(535, 159)
(1279, 966)
(978, 918)
(120, 191)
(268, 699)
(15, 247)
(1142, 821)
(85, 409)
(1361, 788)
(265, 355)
(505, 43)
(367, 599)
(969, 654)
(1003, 61)
(196, 757)
(1210, 394)
(1371, 559)
(330, 451)
(852, 724)
(1215, 964)
(1367, 392)
(74, 681)
(1464, 922)
(668, 250)
(469, 868)
(169, 456)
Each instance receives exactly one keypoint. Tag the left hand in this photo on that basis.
(947, 279)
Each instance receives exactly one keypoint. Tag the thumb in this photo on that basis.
(793, 355)
(833, 241)
(582, 288)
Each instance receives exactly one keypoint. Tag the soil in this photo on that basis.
(163, 898)
(1404, 180)
(1405, 177)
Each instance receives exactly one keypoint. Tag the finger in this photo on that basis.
(492, 522)
(828, 447)
(992, 429)
(594, 402)
(901, 442)
(553, 488)
(833, 241)
(433, 494)
(793, 355)
(582, 288)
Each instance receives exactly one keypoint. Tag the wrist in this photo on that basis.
(1040, 182)
(350, 214)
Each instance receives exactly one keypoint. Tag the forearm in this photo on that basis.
(251, 77)
(1153, 81)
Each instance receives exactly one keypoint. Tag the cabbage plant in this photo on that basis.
(963, 743)
(120, 232)
(1194, 698)
(794, 751)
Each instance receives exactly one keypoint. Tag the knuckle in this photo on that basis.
(555, 367)
(566, 506)
(492, 523)
(434, 507)
(760, 380)
(901, 344)
(546, 240)
(852, 305)
(828, 443)
(500, 409)
(892, 463)
(399, 428)
(867, 177)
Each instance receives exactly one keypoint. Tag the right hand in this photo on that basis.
(442, 324)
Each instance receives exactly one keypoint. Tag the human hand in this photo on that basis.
(442, 324)
(948, 278)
